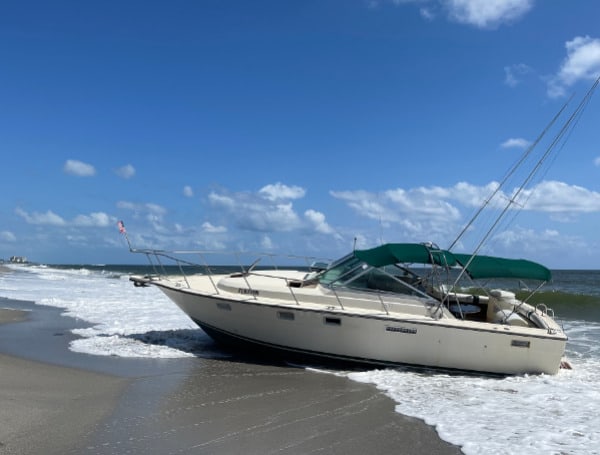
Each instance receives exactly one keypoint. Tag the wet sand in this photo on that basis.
(54, 401)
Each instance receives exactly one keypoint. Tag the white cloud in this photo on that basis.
(487, 13)
(155, 209)
(436, 203)
(317, 219)
(49, 218)
(435, 212)
(145, 208)
(188, 191)
(473, 196)
(514, 73)
(7, 236)
(427, 14)
(221, 200)
(210, 228)
(79, 168)
(516, 142)
(582, 62)
(559, 197)
(266, 243)
(126, 171)
(545, 245)
(366, 204)
(424, 202)
(278, 191)
(279, 217)
(269, 210)
(153, 213)
(256, 213)
(597, 161)
(484, 14)
(97, 219)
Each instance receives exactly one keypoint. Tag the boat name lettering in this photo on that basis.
(520, 343)
(247, 291)
(401, 330)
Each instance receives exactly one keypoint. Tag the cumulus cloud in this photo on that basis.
(79, 168)
(210, 228)
(516, 142)
(126, 171)
(424, 211)
(434, 205)
(49, 218)
(581, 63)
(188, 191)
(153, 213)
(543, 244)
(317, 219)
(484, 14)
(559, 197)
(278, 191)
(221, 200)
(97, 219)
(278, 217)
(487, 13)
(269, 210)
(7, 236)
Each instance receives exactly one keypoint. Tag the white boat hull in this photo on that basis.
(381, 338)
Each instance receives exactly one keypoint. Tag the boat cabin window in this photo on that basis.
(391, 282)
(354, 273)
(345, 269)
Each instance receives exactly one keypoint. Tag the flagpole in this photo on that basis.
(123, 231)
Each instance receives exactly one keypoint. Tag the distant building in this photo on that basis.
(18, 259)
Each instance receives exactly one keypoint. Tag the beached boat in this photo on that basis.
(374, 306)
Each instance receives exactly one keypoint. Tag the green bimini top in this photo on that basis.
(477, 267)
(494, 267)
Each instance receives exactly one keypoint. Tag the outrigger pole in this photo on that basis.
(565, 128)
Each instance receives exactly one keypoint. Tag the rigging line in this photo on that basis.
(510, 173)
(564, 130)
(576, 118)
(535, 169)
(564, 139)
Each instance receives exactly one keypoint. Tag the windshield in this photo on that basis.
(343, 270)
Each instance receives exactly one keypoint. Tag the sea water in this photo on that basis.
(530, 414)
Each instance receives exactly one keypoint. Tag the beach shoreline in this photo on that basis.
(56, 401)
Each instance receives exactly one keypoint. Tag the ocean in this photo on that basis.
(531, 414)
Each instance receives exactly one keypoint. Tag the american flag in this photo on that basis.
(121, 227)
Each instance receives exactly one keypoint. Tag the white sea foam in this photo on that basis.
(515, 415)
(125, 321)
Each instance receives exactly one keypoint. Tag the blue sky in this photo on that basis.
(294, 126)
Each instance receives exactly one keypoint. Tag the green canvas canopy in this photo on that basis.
(494, 267)
(405, 253)
(478, 267)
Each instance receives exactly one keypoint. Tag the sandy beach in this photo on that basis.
(54, 401)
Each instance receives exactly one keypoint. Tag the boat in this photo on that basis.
(395, 304)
